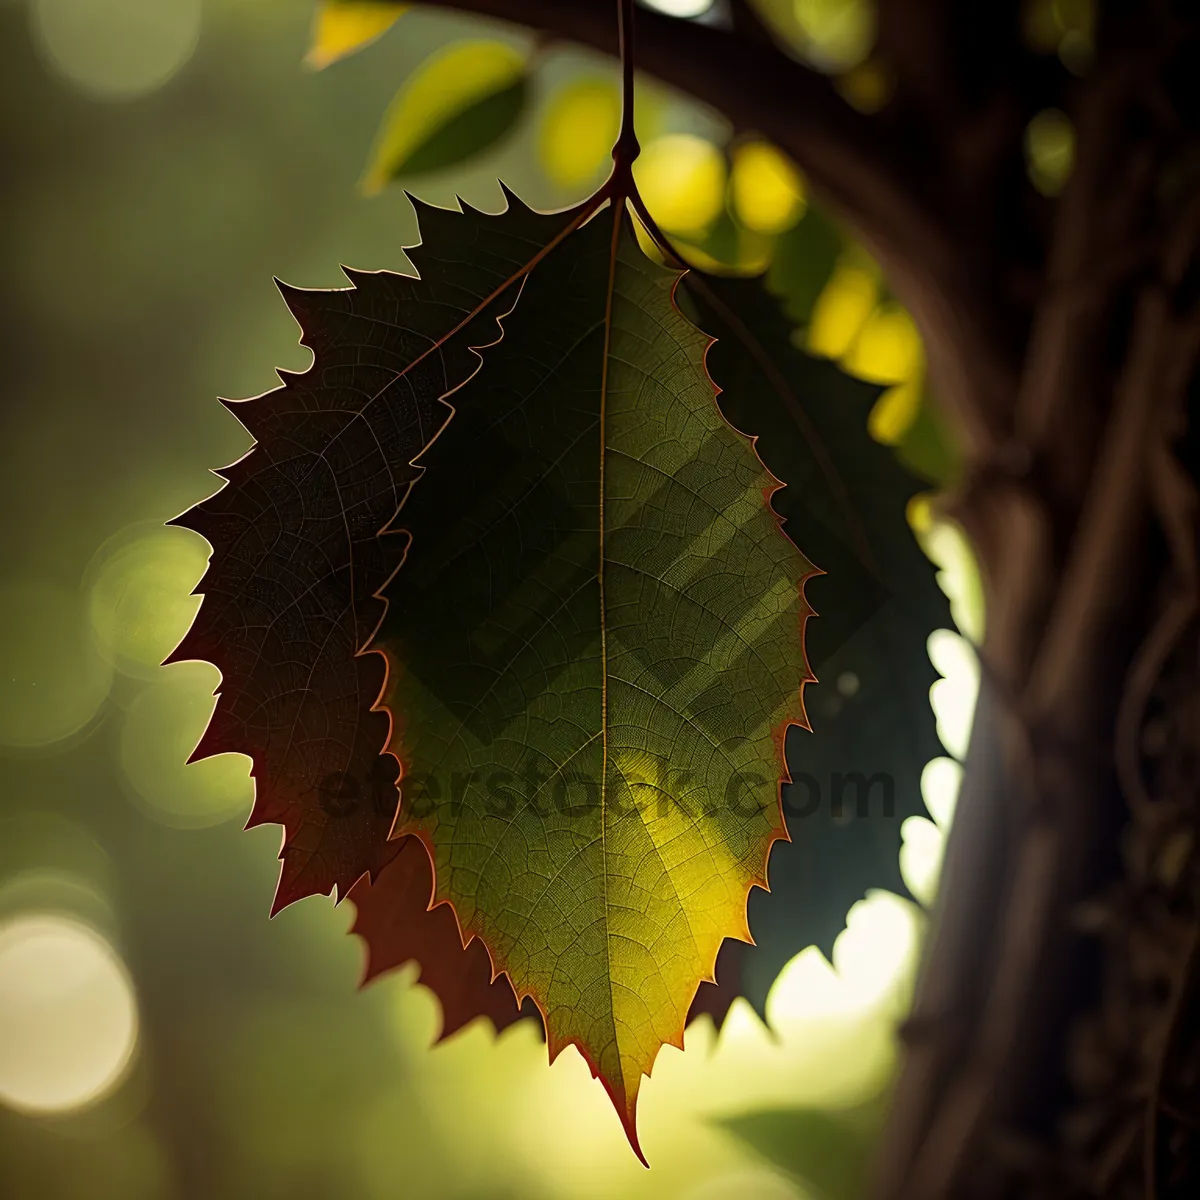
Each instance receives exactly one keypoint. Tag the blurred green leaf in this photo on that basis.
(804, 260)
(828, 1153)
(727, 249)
(927, 447)
(459, 103)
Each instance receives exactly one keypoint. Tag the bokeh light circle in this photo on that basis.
(52, 678)
(767, 191)
(953, 696)
(68, 1015)
(579, 127)
(140, 598)
(842, 309)
(117, 49)
(838, 34)
(1050, 150)
(681, 178)
(681, 8)
(923, 845)
(941, 781)
(162, 727)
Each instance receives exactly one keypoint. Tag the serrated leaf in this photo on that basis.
(458, 103)
(858, 775)
(343, 27)
(828, 1153)
(297, 551)
(595, 648)
(394, 918)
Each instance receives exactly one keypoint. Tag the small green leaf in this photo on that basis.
(460, 102)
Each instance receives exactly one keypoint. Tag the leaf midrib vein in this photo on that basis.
(618, 205)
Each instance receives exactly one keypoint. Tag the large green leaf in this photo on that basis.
(596, 650)
(289, 596)
(858, 774)
(595, 640)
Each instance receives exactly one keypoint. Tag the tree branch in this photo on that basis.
(758, 87)
(871, 173)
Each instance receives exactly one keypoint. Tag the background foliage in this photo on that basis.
(152, 188)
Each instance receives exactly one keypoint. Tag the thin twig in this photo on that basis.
(626, 149)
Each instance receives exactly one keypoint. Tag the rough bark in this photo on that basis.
(1061, 968)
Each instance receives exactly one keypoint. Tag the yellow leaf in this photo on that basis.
(341, 28)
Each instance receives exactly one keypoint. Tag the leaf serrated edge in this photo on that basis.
(194, 517)
(626, 1107)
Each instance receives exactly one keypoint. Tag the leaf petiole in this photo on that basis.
(626, 148)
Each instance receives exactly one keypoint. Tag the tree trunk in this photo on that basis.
(1054, 1048)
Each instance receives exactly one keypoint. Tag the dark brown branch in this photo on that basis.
(757, 86)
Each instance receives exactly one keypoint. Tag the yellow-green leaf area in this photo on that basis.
(343, 27)
(460, 101)
(578, 129)
(595, 645)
